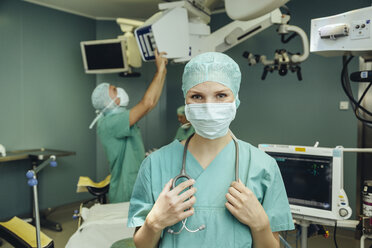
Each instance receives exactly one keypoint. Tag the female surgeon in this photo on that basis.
(118, 132)
(212, 209)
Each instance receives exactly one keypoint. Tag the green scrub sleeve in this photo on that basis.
(142, 199)
(276, 204)
(117, 124)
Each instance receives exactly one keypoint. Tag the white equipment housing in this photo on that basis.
(2, 150)
(313, 177)
(168, 31)
(132, 51)
(181, 29)
(346, 33)
(244, 10)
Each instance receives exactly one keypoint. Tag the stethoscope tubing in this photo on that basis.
(183, 174)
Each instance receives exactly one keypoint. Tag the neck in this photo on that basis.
(200, 141)
(205, 150)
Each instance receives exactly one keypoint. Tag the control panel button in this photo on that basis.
(343, 212)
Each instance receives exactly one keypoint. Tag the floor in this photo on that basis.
(63, 215)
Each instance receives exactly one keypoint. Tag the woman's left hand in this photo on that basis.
(243, 204)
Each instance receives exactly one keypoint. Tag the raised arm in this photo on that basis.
(153, 92)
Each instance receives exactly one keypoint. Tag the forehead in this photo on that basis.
(209, 86)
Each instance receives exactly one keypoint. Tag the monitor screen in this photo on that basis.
(307, 179)
(103, 56)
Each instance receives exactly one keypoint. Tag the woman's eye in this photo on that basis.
(197, 97)
(221, 95)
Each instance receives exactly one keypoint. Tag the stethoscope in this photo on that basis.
(183, 175)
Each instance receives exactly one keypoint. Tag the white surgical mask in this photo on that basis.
(111, 106)
(186, 125)
(123, 96)
(211, 120)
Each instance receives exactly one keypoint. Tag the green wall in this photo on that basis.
(44, 99)
(283, 110)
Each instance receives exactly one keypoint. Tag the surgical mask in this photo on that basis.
(123, 96)
(211, 120)
(186, 125)
(112, 105)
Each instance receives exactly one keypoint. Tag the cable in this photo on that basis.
(334, 234)
(356, 111)
(347, 87)
(345, 83)
(286, 40)
(364, 93)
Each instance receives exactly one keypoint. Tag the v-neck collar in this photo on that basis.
(195, 171)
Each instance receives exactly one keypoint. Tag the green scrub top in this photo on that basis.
(221, 228)
(125, 152)
(184, 133)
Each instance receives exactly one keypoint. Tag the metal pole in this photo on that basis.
(37, 215)
(285, 243)
(363, 150)
(362, 241)
(304, 225)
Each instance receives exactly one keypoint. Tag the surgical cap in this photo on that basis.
(100, 96)
(214, 67)
(181, 110)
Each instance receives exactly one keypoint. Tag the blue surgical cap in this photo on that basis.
(181, 110)
(100, 96)
(214, 67)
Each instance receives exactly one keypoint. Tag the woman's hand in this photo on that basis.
(171, 206)
(243, 204)
(160, 60)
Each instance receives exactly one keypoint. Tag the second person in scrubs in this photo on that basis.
(186, 129)
(119, 133)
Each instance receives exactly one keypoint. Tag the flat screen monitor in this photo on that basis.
(313, 178)
(104, 56)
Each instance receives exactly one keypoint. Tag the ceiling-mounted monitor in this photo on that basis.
(104, 56)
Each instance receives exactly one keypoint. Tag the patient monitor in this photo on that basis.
(313, 178)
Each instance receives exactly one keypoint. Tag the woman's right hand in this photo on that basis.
(171, 207)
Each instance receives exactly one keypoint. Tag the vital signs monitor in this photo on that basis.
(313, 178)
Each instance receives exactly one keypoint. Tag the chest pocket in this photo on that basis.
(221, 230)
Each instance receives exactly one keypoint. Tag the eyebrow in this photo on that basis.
(194, 92)
(225, 91)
